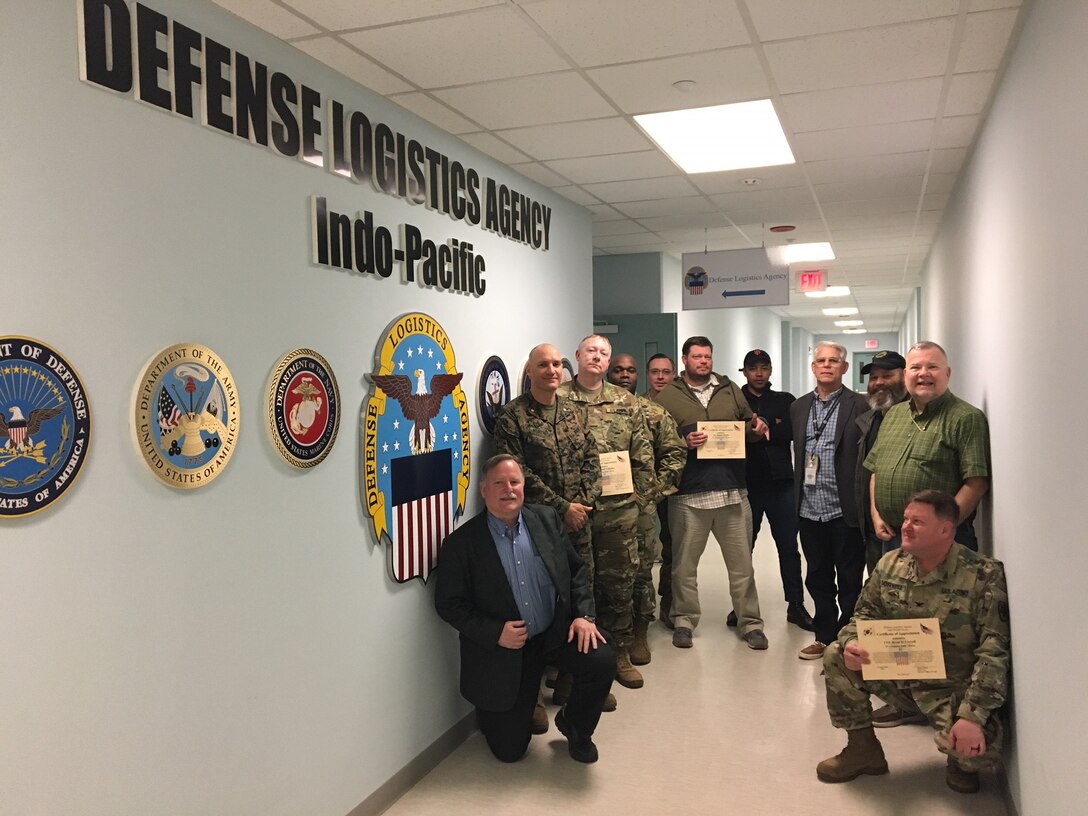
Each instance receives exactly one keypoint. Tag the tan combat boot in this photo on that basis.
(640, 649)
(862, 755)
(960, 780)
(626, 674)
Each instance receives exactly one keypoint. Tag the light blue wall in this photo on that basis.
(627, 284)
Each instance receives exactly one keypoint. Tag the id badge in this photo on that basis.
(812, 465)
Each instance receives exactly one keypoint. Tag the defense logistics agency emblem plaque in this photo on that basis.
(45, 426)
(187, 415)
(415, 444)
(303, 408)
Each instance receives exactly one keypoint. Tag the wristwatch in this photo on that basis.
(590, 618)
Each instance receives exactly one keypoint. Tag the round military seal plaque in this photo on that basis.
(45, 426)
(303, 408)
(494, 391)
(187, 415)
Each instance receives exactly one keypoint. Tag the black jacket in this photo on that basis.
(473, 595)
(770, 463)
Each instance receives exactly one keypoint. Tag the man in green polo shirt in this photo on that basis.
(935, 441)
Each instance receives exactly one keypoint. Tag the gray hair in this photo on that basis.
(497, 460)
(927, 345)
(839, 349)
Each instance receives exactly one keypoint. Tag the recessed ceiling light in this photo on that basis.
(842, 324)
(684, 85)
(841, 311)
(830, 291)
(853, 331)
(803, 253)
(720, 137)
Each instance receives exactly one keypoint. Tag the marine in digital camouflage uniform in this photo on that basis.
(617, 424)
(966, 592)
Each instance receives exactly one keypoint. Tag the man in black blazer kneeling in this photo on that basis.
(511, 583)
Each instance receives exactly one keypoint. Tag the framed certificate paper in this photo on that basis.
(908, 649)
(616, 473)
(725, 440)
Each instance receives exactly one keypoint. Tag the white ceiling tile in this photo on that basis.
(780, 213)
(957, 131)
(868, 168)
(523, 101)
(577, 195)
(781, 19)
(940, 183)
(732, 181)
(541, 174)
(607, 31)
(336, 15)
(665, 187)
(968, 93)
(701, 221)
(352, 64)
(841, 143)
(638, 239)
(883, 206)
(502, 45)
(889, 54)
(624, 227)
(983, 5)
(757, 199)
(435, 112)
(269, 16)
(604, 212)
(864, 190)
(985, 39)
(864, 105)
(617, 167)
(494, 147)
(665, 206)
(733, 75)
(949, 160)
(593, 137)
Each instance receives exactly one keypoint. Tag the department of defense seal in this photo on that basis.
(303, 408)
(415, 440)
(493, 391)
(187, 415)
(45, 426)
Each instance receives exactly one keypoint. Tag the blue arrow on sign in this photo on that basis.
(743, 293)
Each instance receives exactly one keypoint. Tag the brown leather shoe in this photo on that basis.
(640, 649)
(814, 651)
(540, 716)
(609, 703)
(959, 780)
(863, 754)
(626, 674)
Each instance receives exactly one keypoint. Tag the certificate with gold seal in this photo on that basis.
(725, 440)
(906, 649)
(616, 473)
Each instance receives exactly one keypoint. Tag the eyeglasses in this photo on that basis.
(827, 361)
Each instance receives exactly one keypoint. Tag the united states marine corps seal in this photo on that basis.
(415, 440)
(187, 415)
(303, 408)
(45, 426)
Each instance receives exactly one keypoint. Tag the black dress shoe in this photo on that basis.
(731, 618)
(799, 616)
(581, 748)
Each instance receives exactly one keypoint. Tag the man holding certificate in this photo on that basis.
(929, 603)
(714, 420)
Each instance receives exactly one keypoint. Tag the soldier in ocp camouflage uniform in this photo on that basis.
(930, 577)
(670, 455)
(617, 424)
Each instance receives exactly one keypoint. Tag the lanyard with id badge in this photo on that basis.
(812, 459)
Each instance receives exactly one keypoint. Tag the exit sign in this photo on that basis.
(811, 280)
(872, 344)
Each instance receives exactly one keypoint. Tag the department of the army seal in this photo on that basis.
(303, 408)
(45, 426)
(415, 444)
(187, 415)
(494, 391)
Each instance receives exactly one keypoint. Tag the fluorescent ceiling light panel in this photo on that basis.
(840, 311)
(843, 324)
(721, 137)
(831, 291)
(853, 331)
(804, 253)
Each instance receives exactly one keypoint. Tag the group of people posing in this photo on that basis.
(592, 482)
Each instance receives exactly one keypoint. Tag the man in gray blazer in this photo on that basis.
(825, 450)
(512, 585)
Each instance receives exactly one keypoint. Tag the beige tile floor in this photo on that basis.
(717, 729)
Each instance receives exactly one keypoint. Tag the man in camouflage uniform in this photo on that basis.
(931, 576)
(617, 425)
(670, 454)
(549, 436)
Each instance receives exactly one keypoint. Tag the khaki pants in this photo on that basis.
(732, 528)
